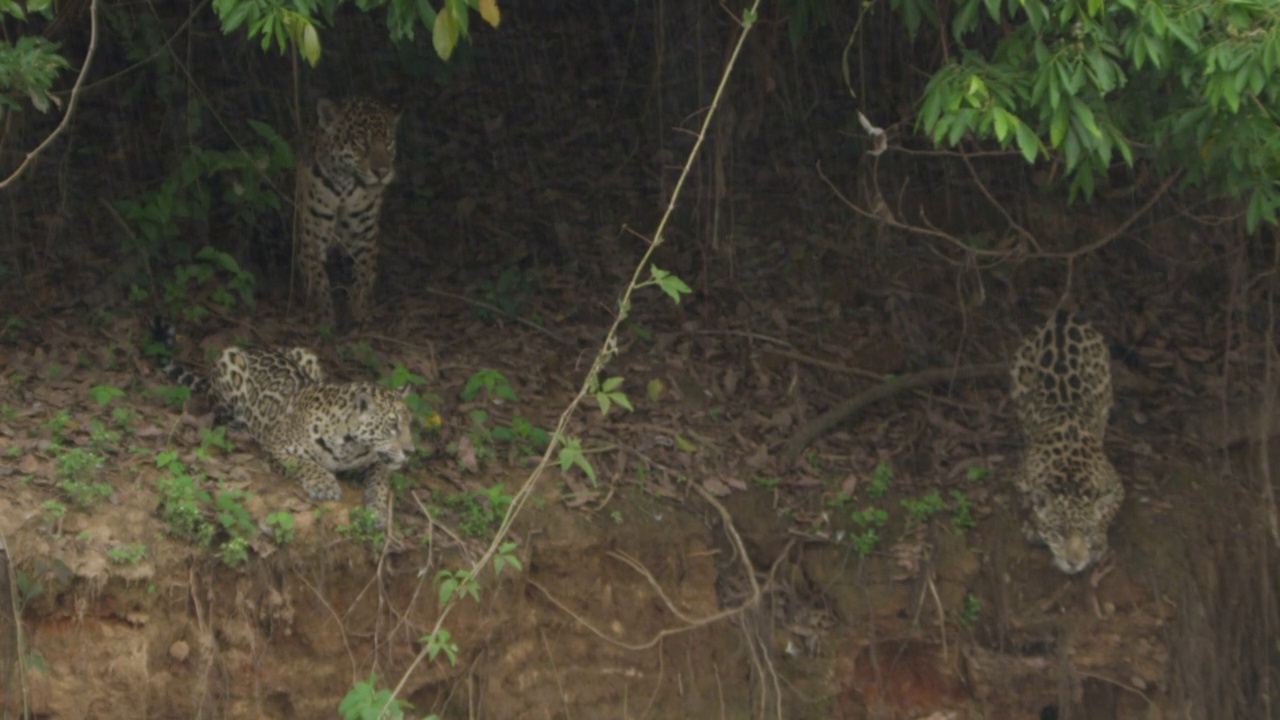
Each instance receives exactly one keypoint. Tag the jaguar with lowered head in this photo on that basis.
(339, 187)
(309, 427)
(1061, 391)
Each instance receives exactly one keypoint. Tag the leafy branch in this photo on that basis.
(282, 23)
(75, 89)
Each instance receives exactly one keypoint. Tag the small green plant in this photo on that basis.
(234, 551)
(457, 582)
(214, 438)
(975, 473)
(608, 394)
(963, 518)
(127, 554)
(59, 424)
(525, 438)
(53, 512)
(366, 702)
(28, 589)
(919, 510)
(674, 287)
(53, 371)
(281, 525)
(767, 483)
(75, 470)
(970, 610)
(439, 642)
(479, 511)
(401, 483)
(101, 437)
(124, 417)
(866, 537)
(183, 501)
(104, 394)
(227, 285)
(492, 383)
(571, 455)
(881, 477)
(234, 517)
(363, 526)
(506, 556)
(172, 395)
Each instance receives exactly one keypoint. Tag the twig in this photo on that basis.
(71, 103)
(982, 188)
(928, 232)
(819, 426)
(824, 364)
(337, 620)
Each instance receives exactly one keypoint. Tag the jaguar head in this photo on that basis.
(359, 136)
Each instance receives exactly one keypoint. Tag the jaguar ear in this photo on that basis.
(363, 402)
(327, 113)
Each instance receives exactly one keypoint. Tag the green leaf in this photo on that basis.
(1084, 114)
(104, 394)
(310, 45)
(1028, 143)
(1000, 119)
(1058, 126)
(673, 286)
(444, 33)
(447, 586)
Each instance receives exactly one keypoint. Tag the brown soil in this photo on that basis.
(632, 600)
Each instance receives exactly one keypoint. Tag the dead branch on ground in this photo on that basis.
(819, 426)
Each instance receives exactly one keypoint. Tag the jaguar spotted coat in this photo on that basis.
(340, 188)
(311, 428)
(1061, 391)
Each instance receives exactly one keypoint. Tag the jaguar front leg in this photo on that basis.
(319, 483)
(315, 278)
(365, 265)
(377, 494)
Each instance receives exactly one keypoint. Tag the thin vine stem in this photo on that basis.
(607, 349)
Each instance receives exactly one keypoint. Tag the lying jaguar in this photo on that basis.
(308, 427)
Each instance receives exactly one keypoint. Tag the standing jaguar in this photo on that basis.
(1061, 391)
(310, 428)
(340, 187)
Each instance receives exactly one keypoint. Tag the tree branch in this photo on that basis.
(71, 103)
